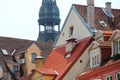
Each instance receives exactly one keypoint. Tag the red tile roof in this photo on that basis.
(47, 71)
(99, 15)
(107, 68)
(57, 61)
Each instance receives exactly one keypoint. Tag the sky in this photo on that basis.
(19, 18)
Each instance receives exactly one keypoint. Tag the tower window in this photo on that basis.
(71, 31)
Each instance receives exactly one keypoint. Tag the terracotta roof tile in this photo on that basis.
(90, 72)
(56, 60)
(47, 71)
(107, 35)
(99, 15)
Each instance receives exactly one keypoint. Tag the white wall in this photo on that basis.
(78, 67)
(79, 31)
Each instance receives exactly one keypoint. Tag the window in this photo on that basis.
(33, 57)
(67, 55)
(22, 56)
(118, 76)
(4, 52)
(118, 46)
(108, 77)
(102, 23)
(15, 68)
(1, 71)
(94, 58)
(71, 31)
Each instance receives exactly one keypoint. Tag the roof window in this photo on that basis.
(102, 23)
(4, 52)
(68, 55)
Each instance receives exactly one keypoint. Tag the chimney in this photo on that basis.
(90, 14)
(70, 44)
(39, 62)
(108, 7)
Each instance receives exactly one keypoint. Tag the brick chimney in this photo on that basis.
(90, 14)
(39, 62)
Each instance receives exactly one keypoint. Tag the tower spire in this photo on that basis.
(49, 19)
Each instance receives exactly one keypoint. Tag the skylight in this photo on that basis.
(4, 52)
(102, 23)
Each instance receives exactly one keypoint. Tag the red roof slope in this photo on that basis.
(106, 35)
(56, 60)
(47, 71)
(111, 66)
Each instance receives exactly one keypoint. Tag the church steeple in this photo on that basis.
(48, 18)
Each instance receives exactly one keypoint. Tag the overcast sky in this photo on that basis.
(18, 18)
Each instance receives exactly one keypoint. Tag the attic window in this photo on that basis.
(102, 23)
(71, 31)
(4, 52)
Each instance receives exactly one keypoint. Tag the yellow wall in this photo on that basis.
(28, 59)
(37, 76)
(48, 77)
(1, 72)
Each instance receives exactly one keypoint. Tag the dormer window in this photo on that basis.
(70, 31)
(94, 58)
(118, 45)
(4, 52)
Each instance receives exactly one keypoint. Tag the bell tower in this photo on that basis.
(49, 21)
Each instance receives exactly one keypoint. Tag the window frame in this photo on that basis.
(33, 56)
(71, 31)
(117, 76)
(94, 58)
(108, 77)
(118, 46)
(15, 68)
